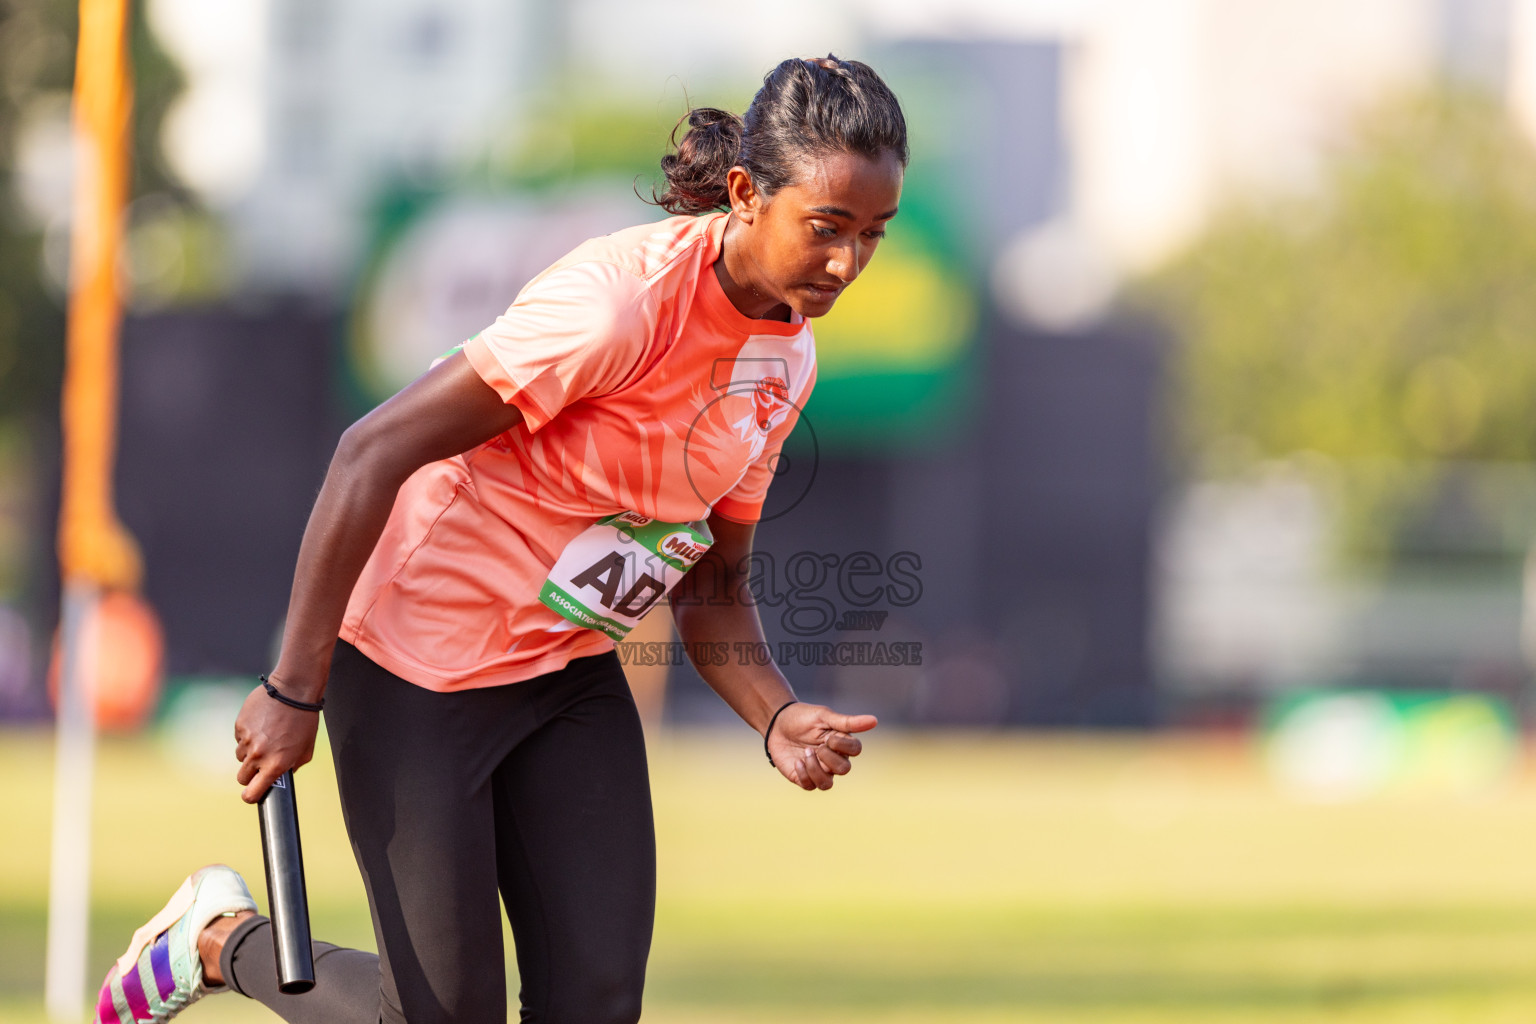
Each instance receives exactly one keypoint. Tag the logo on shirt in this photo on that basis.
(770, 394)
(758, 392)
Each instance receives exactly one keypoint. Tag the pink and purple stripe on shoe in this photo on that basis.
(161, 973)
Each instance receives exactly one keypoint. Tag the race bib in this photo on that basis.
(611, 574)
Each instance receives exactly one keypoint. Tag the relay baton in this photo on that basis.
(280, 852)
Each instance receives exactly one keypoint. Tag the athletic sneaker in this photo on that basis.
(161, 974)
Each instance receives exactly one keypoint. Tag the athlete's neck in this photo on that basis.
(741, 279)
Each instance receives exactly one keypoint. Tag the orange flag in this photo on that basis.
(94, 547)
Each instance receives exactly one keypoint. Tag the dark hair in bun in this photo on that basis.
(806, 107)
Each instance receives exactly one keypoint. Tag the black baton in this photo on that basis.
(289, 906)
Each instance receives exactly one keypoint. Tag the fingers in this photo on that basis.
(811, 724)
(794, 771)
(850, 723)
(818, 776)
(259, 782)
(831, 761)
(844, 744)
(257, 773)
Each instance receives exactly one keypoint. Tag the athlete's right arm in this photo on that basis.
(445, 412)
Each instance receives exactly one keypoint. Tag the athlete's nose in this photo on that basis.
(844, 264)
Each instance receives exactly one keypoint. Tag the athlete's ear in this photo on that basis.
(746, 201)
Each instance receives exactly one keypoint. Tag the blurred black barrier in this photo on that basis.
(228, 420)
(1071, 455)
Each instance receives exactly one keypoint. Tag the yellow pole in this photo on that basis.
(95, 551)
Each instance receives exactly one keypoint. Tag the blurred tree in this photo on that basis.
(1384, 321)
(37, 67)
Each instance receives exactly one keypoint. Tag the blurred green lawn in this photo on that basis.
(960, 877)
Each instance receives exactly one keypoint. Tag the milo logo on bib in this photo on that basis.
(611, 574)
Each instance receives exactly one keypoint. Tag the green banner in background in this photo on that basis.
(895, 355)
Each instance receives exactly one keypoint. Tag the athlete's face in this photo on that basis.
(810, 240)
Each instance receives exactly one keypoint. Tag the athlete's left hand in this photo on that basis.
(811, 744)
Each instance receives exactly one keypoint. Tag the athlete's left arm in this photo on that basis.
(810, 743)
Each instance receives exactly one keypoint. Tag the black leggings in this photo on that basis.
(538, 791)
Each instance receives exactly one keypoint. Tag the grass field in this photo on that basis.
(956, 878)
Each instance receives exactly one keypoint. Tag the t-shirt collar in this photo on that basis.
(719, 305)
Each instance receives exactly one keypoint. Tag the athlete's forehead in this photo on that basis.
(849, 186)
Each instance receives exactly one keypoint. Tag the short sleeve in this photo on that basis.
(744, 502)
(574, 332)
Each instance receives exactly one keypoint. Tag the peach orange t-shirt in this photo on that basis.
(642, 389)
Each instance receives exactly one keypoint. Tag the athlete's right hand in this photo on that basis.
(271, 738)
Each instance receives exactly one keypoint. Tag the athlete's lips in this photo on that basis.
(826, 290)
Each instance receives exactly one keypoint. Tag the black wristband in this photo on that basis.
(302, 705)
(769, 731)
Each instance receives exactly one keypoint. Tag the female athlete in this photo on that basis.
(468, 548)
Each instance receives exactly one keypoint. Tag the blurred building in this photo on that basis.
(334, 98)
(298, 113)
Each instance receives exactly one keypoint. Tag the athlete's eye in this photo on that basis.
(876, 235)
(824, 232)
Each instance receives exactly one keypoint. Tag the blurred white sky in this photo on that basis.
(213, 133)
(1171, 104)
